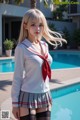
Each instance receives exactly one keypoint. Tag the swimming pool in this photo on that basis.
(61, 60)
(66, 103)
(7, 65)
(66, 59)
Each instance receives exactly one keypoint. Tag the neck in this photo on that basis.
(34, 40)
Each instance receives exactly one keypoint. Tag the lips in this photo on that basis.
(37, 32)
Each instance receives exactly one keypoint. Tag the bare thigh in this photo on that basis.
(43, 109)
(25, 111)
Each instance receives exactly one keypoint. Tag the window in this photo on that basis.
(73, 7)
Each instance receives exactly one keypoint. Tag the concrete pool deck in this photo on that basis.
(60, 78)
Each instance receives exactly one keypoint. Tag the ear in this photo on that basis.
(25, 25)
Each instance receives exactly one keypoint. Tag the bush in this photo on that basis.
(57, 15)
(66, 35)
(52, 26)
(8, 44)
(76, 37)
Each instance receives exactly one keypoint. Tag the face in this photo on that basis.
(35, 29)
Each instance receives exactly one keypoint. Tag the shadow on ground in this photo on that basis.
(5, 83)
(55, 81)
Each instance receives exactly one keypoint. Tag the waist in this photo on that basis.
(35, 85)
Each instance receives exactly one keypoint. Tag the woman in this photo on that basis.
(31, 99)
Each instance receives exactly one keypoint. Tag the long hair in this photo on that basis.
(52, 37)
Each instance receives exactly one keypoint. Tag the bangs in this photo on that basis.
(35, 17)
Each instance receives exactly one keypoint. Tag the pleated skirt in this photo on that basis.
(34, 100)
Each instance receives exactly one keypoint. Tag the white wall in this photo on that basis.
(12, 10)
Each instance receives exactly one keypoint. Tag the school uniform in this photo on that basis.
(31, 90)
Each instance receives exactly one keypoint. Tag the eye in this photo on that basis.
(40, 24)
(32, 24)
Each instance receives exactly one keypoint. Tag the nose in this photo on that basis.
(37, 28)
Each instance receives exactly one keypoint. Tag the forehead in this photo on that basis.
(36, 20)
(35, 17)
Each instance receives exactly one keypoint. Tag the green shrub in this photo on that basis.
(66, 35)
(76, 37)
(8, 44)
(52, 26)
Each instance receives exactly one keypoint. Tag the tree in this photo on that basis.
(60, 9)
(19, 1)
(33, 3)
(4, 1)
(16, 1)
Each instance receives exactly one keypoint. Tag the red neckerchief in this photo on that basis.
(46, 70)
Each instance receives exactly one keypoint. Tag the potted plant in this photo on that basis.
(8, 45)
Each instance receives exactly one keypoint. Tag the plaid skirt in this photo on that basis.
(34, 100)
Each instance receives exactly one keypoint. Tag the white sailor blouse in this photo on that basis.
(36, 69)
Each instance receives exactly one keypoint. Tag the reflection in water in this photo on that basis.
(66, 106)
(63, 114)
(9, 64)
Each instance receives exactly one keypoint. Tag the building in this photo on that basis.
(11, 16)
(74, 11)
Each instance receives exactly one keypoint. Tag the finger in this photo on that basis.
(18, 115)
(15, 115)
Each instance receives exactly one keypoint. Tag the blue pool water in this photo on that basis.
(65, 60)
(60, 60)
(7, 65)
(66, 103)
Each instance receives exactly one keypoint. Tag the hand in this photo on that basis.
(16, 112)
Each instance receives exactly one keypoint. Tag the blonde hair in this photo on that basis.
(54, 38)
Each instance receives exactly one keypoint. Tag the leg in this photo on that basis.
(32, 113)
(27, 114)
(26, 117)
(24, 113)
(43, 113)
